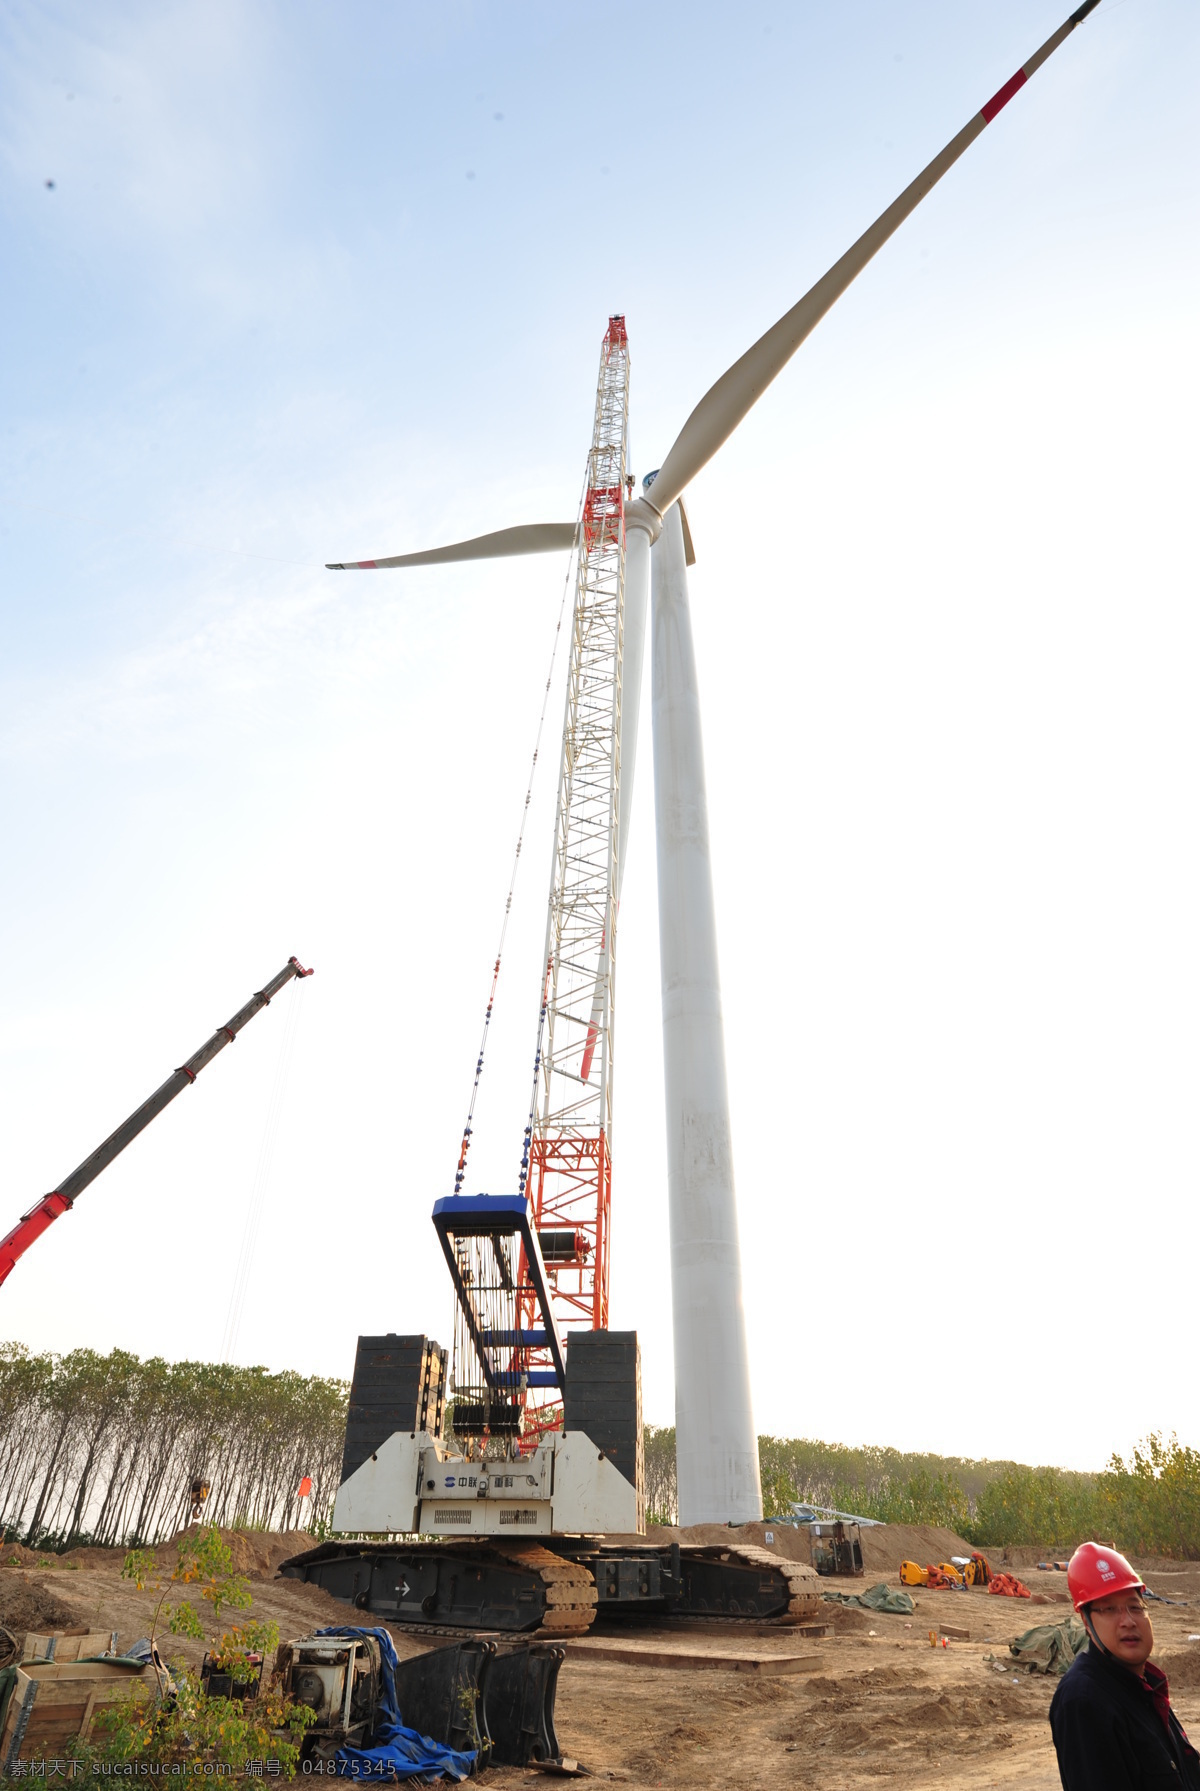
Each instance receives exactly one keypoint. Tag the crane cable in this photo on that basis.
(461, 1170)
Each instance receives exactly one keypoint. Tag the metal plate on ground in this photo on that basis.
(731, 1626)
(443, 1633)
(668, 1654)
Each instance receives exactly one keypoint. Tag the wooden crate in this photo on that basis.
(70, 1644)
(44, 1704)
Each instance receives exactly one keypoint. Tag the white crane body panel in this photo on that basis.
(414, 1485)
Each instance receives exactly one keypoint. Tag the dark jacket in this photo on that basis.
(1109, 1736)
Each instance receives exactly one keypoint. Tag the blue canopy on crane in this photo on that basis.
(499, 1216)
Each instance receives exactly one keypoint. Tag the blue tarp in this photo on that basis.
(397, 1752)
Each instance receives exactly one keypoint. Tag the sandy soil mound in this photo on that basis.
(255, 1552)
(93, 1557)
(1017, 1555)
(885, 1545)
(846, 1619)
(1182, 1670)
(15, 1554)
(28, 1602)
(99, 1598)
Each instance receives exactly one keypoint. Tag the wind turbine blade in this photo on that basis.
(722, 408)
(689, 552)
(529, 537)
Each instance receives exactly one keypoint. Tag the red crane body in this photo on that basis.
(48, 1209)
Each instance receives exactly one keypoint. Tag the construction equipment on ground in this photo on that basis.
(958, 1574)
(491, 1699)
(834, 1537)
(545, 1539)
(40, 1217)
(835, 1548)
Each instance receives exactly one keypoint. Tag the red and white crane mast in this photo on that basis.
(567, 1167)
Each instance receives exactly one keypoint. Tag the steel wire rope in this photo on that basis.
(262, 1177)
(461, 1170)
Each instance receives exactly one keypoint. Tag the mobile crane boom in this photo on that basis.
(48, 1209)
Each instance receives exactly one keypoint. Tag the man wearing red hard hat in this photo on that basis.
(1111, 1717)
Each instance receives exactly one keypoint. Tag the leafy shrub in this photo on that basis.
(242, 1647)
(174, 1722)
(190, 1729)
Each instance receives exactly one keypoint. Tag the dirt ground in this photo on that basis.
(877, 1703)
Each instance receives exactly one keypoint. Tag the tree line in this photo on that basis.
(1148, 1505)
(103, 1449)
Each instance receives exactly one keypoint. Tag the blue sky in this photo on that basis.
(317, 283)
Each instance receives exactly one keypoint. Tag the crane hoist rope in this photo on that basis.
(468, 1129)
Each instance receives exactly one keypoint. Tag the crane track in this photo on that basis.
(569, 1596)
(803, 1582)
(570, 1590)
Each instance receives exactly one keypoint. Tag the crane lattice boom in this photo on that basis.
(569, 1166)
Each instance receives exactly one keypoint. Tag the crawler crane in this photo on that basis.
(544, 1410)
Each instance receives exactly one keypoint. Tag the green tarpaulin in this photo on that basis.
(879, 1598)
(1050, 1647)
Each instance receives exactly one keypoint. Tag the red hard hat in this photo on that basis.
(1093, 1571)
